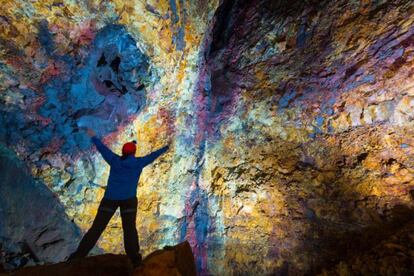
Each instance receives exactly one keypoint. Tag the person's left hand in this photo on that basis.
(90, 132)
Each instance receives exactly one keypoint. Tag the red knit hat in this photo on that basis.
(129, 148)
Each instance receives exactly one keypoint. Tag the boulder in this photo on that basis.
(177, 260)
(172, 260)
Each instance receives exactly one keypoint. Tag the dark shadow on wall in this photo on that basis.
(337, 220)
(328, 217)
(347, 223)
(342, 245)
(33, 224)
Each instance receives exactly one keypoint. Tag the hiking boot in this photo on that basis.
(138, 262)
(73, 257)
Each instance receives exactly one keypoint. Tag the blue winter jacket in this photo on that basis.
(124, 173)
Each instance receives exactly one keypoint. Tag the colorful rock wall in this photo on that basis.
(290, 122)
(309, 151)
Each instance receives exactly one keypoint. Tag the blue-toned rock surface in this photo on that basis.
(34, 226)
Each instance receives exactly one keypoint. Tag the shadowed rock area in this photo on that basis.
(173, 260)
(33, 223)
(392, 256)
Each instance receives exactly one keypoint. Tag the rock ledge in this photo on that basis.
(174, 260)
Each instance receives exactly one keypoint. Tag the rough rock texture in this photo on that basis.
(308, 131)
(105, 265)
(175, 260)
(172, 260)
(291, 121)
(393, 256)
(33, 223)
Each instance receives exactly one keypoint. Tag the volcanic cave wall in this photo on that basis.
(309, 127)
(290, 122)
(125, 69)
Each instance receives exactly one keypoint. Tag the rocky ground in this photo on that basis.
(176, 260)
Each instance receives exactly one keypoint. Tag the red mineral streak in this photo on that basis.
(34, 107)
(51, 71)
(167, 119)
(84, 33)
(199, 250)
(54, 146)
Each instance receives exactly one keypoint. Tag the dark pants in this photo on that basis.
(106, 210)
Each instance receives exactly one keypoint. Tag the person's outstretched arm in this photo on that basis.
(148, 159)
(106, 153)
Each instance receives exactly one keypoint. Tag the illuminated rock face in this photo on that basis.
(100, 90)
(291, 121)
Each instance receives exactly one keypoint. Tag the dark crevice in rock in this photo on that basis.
(101, 61)
(350, 71)
(152, 10)
(27, 249)
(124, 90)
(83, 112)
(108, 83)
(52, 243)
(140, 87)
(68, 183)
(115, 64)
(222, 28)
(361, 157)
(390, 161)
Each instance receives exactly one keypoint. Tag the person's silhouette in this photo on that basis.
(120, 191)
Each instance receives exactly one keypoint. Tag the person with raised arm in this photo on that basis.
(120, 192)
